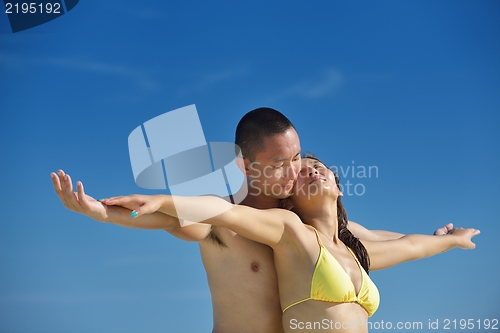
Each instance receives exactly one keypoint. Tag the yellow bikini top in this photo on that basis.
(330, 283)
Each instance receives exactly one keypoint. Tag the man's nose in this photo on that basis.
(290, 172)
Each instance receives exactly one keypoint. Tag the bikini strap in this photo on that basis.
(317, 234)
(354, 256)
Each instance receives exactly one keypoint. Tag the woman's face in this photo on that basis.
(314, 181)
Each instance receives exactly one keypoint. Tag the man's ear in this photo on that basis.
(243, 164)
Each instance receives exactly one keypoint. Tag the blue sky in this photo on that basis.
(411, 88)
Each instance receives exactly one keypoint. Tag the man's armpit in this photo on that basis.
(214, 236)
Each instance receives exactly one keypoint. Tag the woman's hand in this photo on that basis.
(77, 201)
(411, 247)
(139, 204)
(464, 236)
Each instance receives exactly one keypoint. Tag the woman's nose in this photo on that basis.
(311, 171)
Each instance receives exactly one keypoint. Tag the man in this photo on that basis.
(241, 273)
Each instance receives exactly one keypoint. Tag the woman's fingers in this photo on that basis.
(132, 202)
(116, 201)
(145, 208)
(139, 204)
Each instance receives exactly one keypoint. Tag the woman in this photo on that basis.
(323, 284)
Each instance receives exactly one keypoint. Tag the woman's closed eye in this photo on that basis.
(318, 166)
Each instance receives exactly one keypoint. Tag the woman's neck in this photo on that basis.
(324, 219)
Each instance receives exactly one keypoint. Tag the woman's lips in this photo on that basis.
(316, 178)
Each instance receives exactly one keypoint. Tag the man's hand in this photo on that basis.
(444, 230)
(78, 201)
(464, 237)
(120, 212)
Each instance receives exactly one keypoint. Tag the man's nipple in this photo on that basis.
(255, 266)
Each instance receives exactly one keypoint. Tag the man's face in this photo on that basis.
(275, 169)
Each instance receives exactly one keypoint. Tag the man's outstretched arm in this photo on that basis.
(84, 204)
(382, 235)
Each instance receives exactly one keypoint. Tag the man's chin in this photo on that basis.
(284, 194)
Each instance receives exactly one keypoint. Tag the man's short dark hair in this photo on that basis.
(255, 126)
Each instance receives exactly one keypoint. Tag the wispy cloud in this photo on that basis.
(141, 77)
(209, 79)
(221, 76)
(327, 83)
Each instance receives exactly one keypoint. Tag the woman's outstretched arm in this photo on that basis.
(362, 233)
(263, 226)
(84, 204)
(411, 247)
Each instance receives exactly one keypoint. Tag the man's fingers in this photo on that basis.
(441, 231)
(61, 175)
(71, 197)
(444, 230)
(69, 183)
(63, 178)
(57, 183)
(475, 232)
(82, 198)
